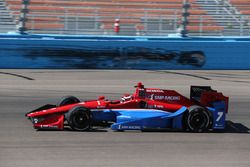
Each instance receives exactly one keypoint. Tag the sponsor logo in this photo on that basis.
(159, 106)
(98, 107)
(171, 98)
(129, 127)
(156, 106)
(35, 120)
(48, 126)
(155, 90)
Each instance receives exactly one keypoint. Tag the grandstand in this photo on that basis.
(6, 19)
(137, 17)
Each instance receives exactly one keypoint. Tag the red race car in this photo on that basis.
(147, 108)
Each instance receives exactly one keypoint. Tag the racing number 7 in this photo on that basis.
(220, 114)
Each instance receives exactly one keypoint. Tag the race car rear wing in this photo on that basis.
(196, 91)
(205, 96)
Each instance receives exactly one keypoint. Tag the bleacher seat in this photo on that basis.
(242, 5)
(134, 15)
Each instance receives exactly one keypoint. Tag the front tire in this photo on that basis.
(79, 118)
(68, 100)
(198, 119)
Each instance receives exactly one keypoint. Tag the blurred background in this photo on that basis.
(135, 17)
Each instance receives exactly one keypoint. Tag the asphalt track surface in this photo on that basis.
(24, 90)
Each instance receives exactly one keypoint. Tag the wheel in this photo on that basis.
(142, 104)
(79, 118)
(68, 100)
(198, 119)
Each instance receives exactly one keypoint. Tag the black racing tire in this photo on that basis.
(79, 118)
(197, 119)
(68, 100)
(142, 104)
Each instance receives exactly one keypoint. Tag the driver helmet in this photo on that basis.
(126, 97)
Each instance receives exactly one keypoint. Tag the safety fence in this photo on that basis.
(131, 17)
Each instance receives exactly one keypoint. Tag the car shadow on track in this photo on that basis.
(233, 127)
(94, 129)
(68, 129)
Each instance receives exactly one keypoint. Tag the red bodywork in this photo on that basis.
(151, 98)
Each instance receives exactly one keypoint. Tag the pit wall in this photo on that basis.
(116, 52)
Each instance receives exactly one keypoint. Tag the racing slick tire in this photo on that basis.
(79, 118)
(142, 104)
(198, 119)
(68, 100)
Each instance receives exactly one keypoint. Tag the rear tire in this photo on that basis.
(68, 100)
(79, 118)
(198, 119)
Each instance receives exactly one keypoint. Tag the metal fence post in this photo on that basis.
(185, 15)
(241, 25)
(146, 21)
(23, 18)
(201, 26)
(66, 22)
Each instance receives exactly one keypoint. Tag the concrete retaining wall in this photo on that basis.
(55, 51)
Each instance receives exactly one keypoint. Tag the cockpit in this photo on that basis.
(126, 97)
